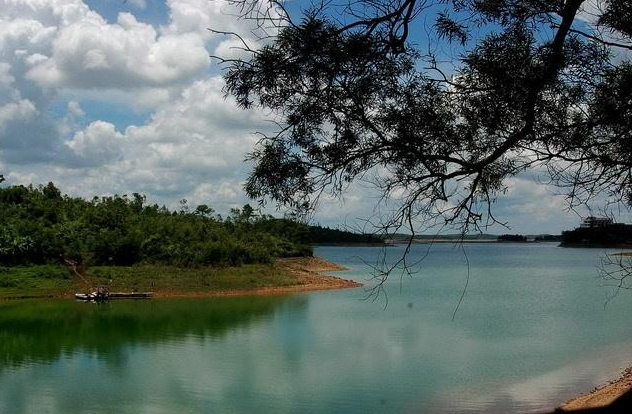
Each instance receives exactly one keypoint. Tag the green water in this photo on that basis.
(531, 332)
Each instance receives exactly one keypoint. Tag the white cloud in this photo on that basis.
(67, 75)
(15, 112)
(74, 109)
(98, 144)
(534, 201)
(193, 147)
(198, 16)
(590, 12)
(93, 54)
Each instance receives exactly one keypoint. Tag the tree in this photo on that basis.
(40, 225)
(204, 210)
(363, 91)
(51, 192)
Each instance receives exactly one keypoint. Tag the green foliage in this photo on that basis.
(319, 234)
(168, 278)
(438, 130)
(33, 279)
(39, 225)
(512, 238)
(617, 234)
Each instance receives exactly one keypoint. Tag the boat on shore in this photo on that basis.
(104, 296)
(86, 296)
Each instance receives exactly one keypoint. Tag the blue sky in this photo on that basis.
(106, 96)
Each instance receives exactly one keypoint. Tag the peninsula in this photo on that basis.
(53, 245)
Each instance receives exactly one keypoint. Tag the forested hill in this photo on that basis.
(40, 225)
(325, 235)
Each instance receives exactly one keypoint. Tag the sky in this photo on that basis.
(111, 97)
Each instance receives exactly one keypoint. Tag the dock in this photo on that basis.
(130, 295)
(102, 295)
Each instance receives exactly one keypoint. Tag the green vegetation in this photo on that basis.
(36, 280)
(358, 98)
(56, 280)
(512, 238)
(39, 225)
(168, 278)
(616, 234)
(325, 235)
(133, 246)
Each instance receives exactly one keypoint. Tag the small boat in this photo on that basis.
(130, 295)
(83, 296)
(103, 296)
(95, 296)
(102, 293)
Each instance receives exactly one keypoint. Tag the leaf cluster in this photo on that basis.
(39, 225)
(529, 89)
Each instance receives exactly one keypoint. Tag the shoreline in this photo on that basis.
(601, 395)
(309, 271)
(305, 273)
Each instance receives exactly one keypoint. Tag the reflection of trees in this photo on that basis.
(42, 331)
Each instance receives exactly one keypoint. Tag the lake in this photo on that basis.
(534, 328)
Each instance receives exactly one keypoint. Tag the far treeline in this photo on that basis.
(615, 235)
(522, 238)
(491, 237)
(39, 225)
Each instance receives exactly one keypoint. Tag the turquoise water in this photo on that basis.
(534, 328)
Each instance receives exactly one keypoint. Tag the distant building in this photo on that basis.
(598, 232)
(592, 222)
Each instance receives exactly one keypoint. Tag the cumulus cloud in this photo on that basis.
(16, 112)
(60, 54)
(98, 144)
(91, 53)
(193, 147)
(67, 73)
(63, 44)
(535, 202)
(197, 16)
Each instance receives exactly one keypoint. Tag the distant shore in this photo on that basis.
(431, 241)
(601, 396)
(286, 275)
(428, 241)
(598, 245)
(352, 244)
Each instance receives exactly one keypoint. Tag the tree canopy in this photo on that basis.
(437, 103)
(41, 225)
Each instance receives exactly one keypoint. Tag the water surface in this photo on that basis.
(532, 330)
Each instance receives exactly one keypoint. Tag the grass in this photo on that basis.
(55, 280)
(40, 280)
(168, 278)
